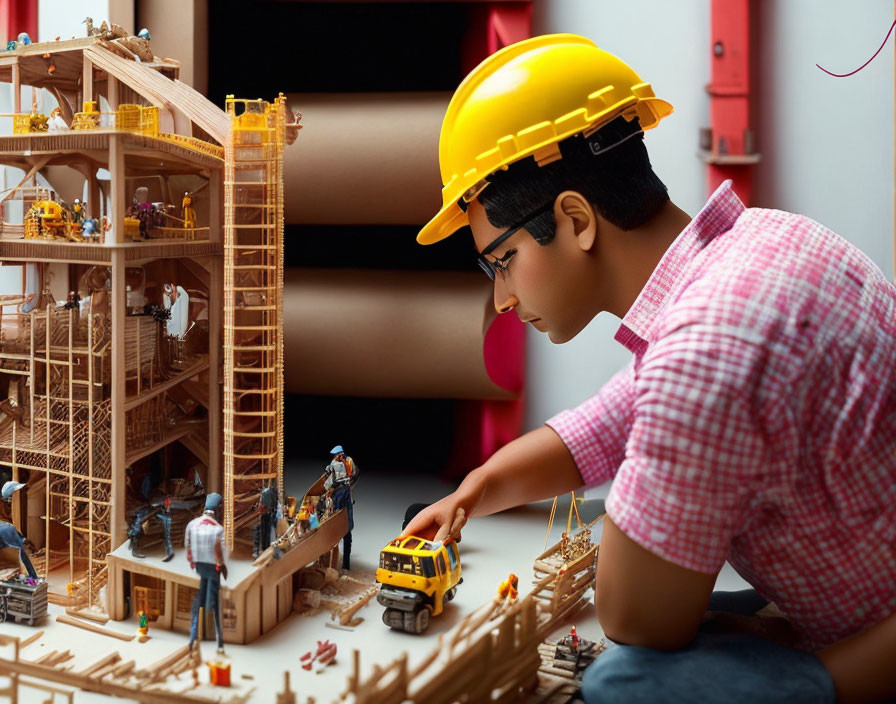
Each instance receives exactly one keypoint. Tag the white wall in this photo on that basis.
(826, 143)
(64, 19)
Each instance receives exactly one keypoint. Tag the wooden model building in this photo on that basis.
(115, 387)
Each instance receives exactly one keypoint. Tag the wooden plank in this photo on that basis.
(91, 616)
(68, 620)
(30, 639)
(102, 663)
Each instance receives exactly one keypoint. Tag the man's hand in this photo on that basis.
(532, 467)
(447, 517)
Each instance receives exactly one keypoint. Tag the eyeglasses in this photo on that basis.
(488, 266)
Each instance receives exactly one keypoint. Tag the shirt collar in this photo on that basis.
(718, 215)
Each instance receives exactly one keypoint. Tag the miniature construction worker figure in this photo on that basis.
(756, 422)
(189, 215)
(57, 123)
(9, 536)
(153, 507)
(204, 540)
(342, 473)
(507, 590)
(265, 533)
(78, 210)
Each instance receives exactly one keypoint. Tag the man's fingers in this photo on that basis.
(460, 520)
(442, 533)
(416, 524)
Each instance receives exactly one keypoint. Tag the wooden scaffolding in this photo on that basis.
(253, 306)
(67, 436)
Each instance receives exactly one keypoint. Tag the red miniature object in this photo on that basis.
(325, 655)
(573, 640)
(219, 674)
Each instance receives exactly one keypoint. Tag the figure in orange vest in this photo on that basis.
(508, 589)
(573, 640)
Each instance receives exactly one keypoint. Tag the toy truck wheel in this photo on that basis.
(417, 621)
(394, 618)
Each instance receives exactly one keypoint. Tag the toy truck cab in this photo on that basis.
(418, 577)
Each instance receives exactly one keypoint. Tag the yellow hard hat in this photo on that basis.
(523, 100)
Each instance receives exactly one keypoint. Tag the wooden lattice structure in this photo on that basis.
(253, 306)
(67, 437)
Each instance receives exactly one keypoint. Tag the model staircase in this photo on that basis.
(253, 306)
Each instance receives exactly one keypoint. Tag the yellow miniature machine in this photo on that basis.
(418, 577)
(48, 219)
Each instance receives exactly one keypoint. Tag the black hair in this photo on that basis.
(617, 180)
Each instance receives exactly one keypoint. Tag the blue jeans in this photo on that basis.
(207, 598)
(714, 668)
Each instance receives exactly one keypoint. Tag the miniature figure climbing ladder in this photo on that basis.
(253, 306)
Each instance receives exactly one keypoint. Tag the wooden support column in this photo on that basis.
(16, 88)
(86, 82)
(215, 329)
(118, 306)
(112, 94)
(93, 194)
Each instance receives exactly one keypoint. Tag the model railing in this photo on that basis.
(136, 119)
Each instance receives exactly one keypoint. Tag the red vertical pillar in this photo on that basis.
(18, 16)
(483, 427)
(728, 144)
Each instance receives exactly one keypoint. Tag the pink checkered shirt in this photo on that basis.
(757, 420)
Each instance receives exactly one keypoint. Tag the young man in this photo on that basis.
(756, 422)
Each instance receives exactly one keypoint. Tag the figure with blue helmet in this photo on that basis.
(342, 473)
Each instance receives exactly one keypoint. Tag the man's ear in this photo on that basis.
(573, 212)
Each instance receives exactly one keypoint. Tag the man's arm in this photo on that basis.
(585, 443)
(219, 548)
(645, 600)
(189, 549)
(535, 466)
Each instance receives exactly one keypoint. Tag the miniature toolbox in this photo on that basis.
(22, 601)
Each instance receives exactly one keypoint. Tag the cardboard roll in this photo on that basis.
(365, 158)
(395, 334)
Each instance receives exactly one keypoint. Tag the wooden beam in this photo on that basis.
(16, 87)
(86, 81)
(93, 628)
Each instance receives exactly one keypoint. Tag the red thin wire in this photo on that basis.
(844, 75)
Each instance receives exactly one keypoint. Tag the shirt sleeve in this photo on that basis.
(187, 535)
(697, 450)
(596, 431)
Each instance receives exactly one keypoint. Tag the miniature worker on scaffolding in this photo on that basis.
(204, 541)
(341, 477)
(78, 210)
(188, 212)
(756, 422)
(9, 536)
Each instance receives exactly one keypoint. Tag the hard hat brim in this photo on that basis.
(446, 222)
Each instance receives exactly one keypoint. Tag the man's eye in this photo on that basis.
(501, 264)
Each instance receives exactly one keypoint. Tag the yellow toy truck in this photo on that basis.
(417, 579)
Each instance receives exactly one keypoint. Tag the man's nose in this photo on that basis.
(504, 301)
